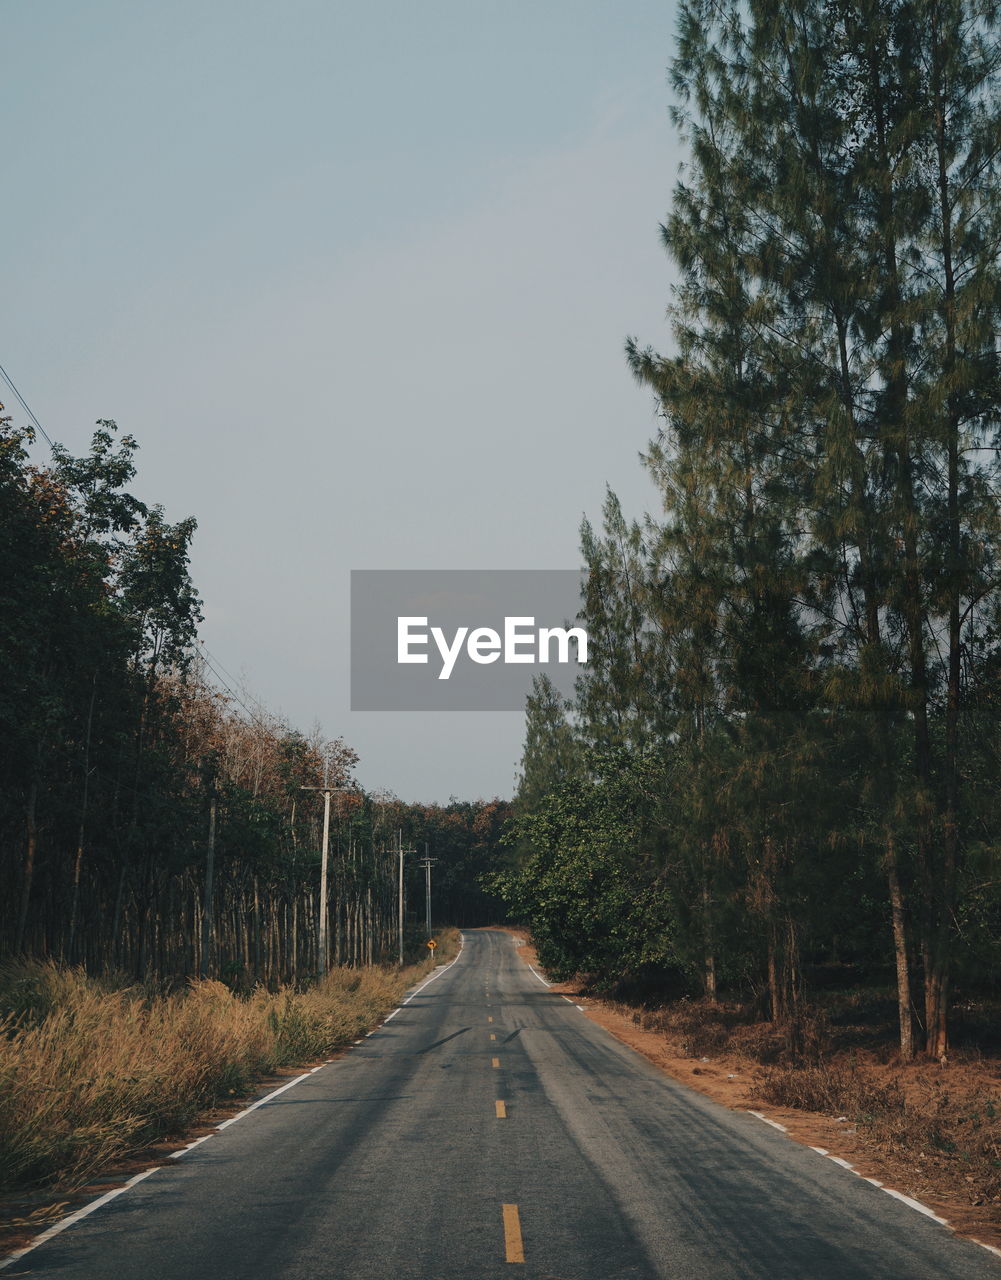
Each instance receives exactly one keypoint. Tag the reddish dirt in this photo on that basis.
(730, 1079)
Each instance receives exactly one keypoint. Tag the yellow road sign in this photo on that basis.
(432, 944)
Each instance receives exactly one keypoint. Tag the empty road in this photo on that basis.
(489, 1129)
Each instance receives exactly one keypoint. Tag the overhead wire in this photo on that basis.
(24, 405)
(215, 666)
(217, 669)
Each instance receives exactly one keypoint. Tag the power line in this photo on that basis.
(24, 405)
(214, 664)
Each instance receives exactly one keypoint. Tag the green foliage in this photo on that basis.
(552, 754)
(804, 644)
(585, 887)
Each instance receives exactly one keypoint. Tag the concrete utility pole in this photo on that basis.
(208, 907)
(427, 863)
(323, 949)
(400, 852)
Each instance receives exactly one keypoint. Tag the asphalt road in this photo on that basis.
(490, 1121)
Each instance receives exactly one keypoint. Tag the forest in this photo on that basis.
(761, 844)
(782, 763)
(781, 769)
(156, 824)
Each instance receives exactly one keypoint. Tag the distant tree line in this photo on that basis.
(150, 823)
(787, 747)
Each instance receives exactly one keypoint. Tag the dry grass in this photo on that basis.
(698, 1028)
(940, 1129)
(838, 1087)
(704, 1029)
(937, 1133)
(90, 1073)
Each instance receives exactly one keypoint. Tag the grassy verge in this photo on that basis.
(91, 1073)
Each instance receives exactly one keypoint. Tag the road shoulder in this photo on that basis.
(731, 1082)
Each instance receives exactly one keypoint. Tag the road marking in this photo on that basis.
(774, 1123)
(489, 1019)
(514, 1250)
(75, 1217)
(87, 1209)
(492, 1036)
(914, 1204)
(176, 1155)
(501, 1109)
(437, 973)
(540, 977)
(495, 1062)
(267, 1098)
(875, 1182)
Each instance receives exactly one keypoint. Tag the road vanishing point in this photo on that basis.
(489, 1129)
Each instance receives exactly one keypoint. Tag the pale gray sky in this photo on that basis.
(358, 278)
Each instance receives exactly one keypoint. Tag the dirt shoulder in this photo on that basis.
(733, 1081)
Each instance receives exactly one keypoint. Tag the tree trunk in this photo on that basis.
(78, 859)
(209, 889)
(900, 951)
(776, 1002)
(30, 849)
(709, 955)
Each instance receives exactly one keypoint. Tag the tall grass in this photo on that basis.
(90, 1073)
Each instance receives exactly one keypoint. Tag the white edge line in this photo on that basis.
(541, 978)
(75, 1217)
(989, 1247)
(774, 1123)
(569, 1001)
(580, 1007)
(437, 974)
(176, 1155)
(305, 1076)
(897, 1195)
(416, 991)
(267, 1098)
(70, 1219)
(915, 1204)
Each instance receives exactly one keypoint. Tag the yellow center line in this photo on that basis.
(489, 1019)
(501, 1109)
(492, 1036)
(495, 1062)
(514, 1250)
